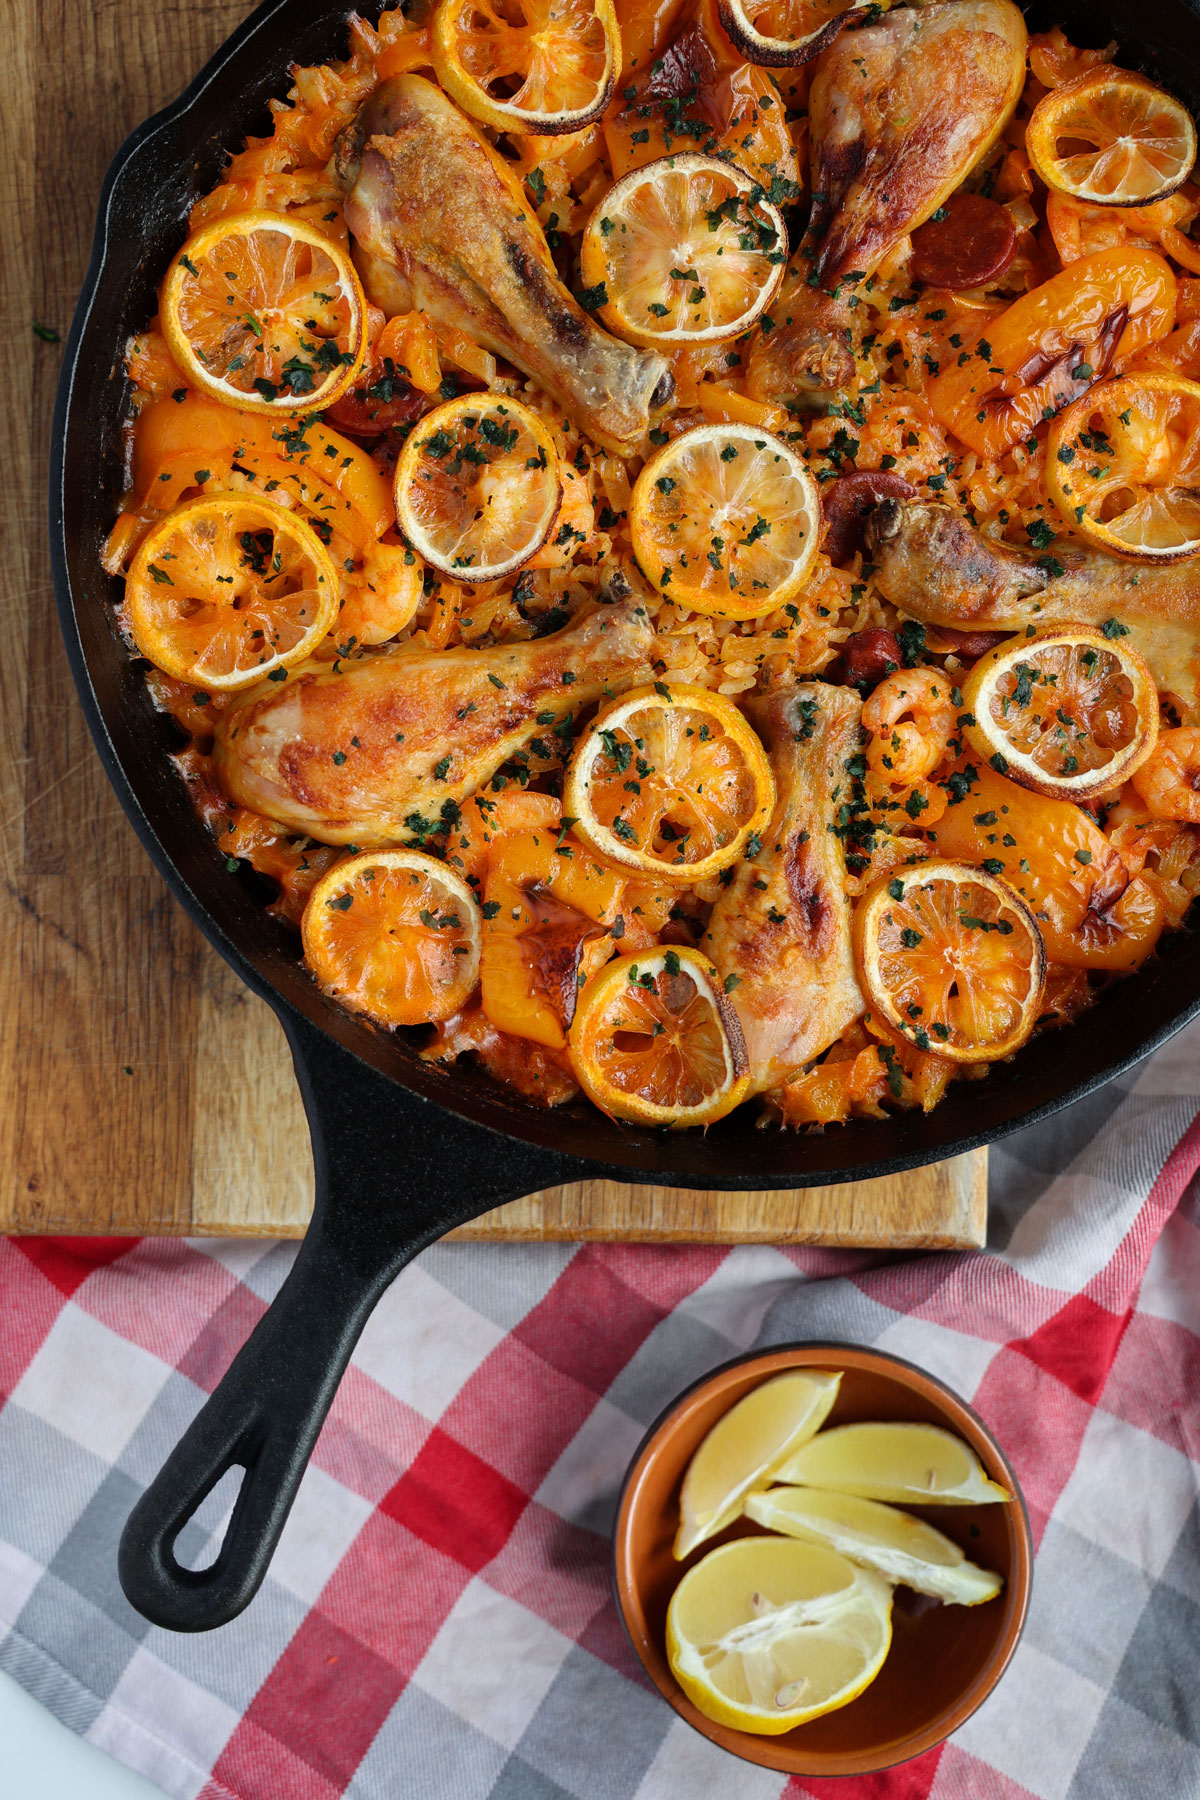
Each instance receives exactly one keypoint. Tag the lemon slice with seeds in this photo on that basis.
(228, 589)
(655, 1041)
(726, 520)
(745, 1446)
(394, 934)
(893, 1543)
(670, 780)
(688, 249)
(540, 67)
(1123, 464)
(951, 959)
(478, 487)
(782, 34)
(1070, 712)
(767, 1633)
(924, 1465)
(1112, 138)
(266, 313)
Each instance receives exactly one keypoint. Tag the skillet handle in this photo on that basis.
(393, 1173)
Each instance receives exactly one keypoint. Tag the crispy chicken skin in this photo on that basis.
(446, 227)
(899, 113)
(788, 941)
(348, 757)
(932, 563)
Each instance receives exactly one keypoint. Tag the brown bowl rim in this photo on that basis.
(1019, 1585)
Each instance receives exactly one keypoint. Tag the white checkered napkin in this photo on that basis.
(438, 1623)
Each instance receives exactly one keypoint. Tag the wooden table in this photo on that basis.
(142, 1089)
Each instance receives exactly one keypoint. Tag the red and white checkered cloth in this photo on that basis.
(437, 1624)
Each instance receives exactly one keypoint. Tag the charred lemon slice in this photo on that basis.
(670, 780)
(1111, 137)
(784, 33)
(532, 66)
(1124, 466)
(950, 959)
(265, 312)
(688, 249)
(726, 520)
(394, 934)
(227, 590)
(1071, 713)
(478, 487)
(767, 1633)
(655, 1041)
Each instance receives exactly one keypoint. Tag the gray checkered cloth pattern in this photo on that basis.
(438, 1623)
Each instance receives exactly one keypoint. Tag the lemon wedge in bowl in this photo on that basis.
(745, 1448)
(879, 1537)
(920, 1465)
(767, 1633)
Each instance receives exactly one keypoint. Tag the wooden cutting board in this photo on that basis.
(142, 1089)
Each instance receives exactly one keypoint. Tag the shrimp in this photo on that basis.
(910, 717)
(379, 598)
(1169, 780)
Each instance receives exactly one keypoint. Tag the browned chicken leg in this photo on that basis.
(782, 926)
(434, 207)
(372, 754)
(899, 114)
(934, 564)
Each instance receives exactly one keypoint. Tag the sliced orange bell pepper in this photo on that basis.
(547, 912)
(1091, 914)
(1049, 347)
(330, 476)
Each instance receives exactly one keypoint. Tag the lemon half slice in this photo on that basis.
(879, 1537)
(921, 1464)
(743, 1449)
(767, 1633)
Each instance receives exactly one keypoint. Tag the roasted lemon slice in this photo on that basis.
(671, 780)
(1070, 712)
(1111, 137)
(655, 1041)
(880, 1537)
(923, 1465)
(227, 590)
(784, 33)
(745, 1447)
(1124, 466)
(726, 519)
(265, 312)
(536, 66)
(478, 487)
(767, 1633)
(688, 249)
(394, 934)
(950, 958)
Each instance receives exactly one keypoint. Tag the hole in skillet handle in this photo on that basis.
(393, 1173)
(199, 1543)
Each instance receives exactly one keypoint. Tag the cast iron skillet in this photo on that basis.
(405, 1150)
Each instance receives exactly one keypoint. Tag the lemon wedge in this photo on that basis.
(894, 1544)
(767, 1633)
(921, 1464)
(745, 1447)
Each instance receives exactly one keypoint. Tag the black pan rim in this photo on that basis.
(627, 1153)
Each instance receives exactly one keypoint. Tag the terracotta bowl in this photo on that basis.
(944, 1660)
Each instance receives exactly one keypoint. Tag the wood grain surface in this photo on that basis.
(142, 1089)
